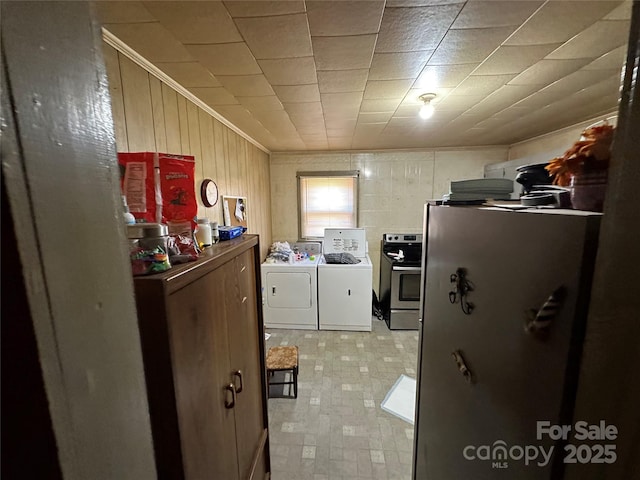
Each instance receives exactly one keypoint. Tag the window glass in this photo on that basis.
(327, 200)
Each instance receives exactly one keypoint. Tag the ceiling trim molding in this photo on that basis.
(134, 56)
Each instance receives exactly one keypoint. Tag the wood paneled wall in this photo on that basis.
(151, 116)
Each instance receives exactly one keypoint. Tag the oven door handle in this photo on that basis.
(406, 269)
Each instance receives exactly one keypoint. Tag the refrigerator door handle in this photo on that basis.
(462, 366)
(538, 322)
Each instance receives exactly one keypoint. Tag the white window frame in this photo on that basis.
(355, 174)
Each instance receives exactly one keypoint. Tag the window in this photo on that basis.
(326, 200)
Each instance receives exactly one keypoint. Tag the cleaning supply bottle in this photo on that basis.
(203, 232)
(215, 234)
(129, 219)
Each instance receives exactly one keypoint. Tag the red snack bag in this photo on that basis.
(177, 185)
(160, 187)
(138, 184)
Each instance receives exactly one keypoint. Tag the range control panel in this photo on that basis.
(402, 238)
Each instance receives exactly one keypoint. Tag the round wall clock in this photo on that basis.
(209, 192)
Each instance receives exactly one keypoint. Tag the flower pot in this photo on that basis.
(588, 190)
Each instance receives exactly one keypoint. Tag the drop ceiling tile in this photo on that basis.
(489, 124)
(594, 41)
(333, 111)
(305, 122)
(611, 60)
(226, 59)
(510, 59)
(395, 89)
(443, 76)
(405, 123)
(339, 18)
(503, 98)
(285, 36)
(189, 74)
(341, 99)
(261, 103)
(557, 22)
(343, 53)
(512, 112)
(340, 81)
(469, 46)
(246, 85)
(239, 8)
(234, 113)
(214, 96)
(546, 72)
(464, 122)
(417, 28)
(152, 41)
(341, 124)
(443, 116)
(315, 138)
(196, 22)
(339, 143)
(578, 81)
(455, 102)
(392, 66)
(275, 120)
(298, 93)
(623, 12)
(305, 116)
(122, 12)
(370, 128)
(374, 117)
(281, 130)
(485, 14)
(379, 105)
(289, 71)
(308, 130)
(482, 84)
(408, 110)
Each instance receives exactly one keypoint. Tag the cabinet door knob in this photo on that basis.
(238, 374)
(230, 388)
(244, 267)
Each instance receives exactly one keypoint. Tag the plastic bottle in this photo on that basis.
(129, 219)
(215, 234)
(203, 232)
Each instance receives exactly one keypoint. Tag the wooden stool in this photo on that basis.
(282, 359)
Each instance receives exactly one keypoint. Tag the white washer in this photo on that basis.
(290, 294)
(344, 290)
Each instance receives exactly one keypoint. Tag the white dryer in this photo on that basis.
(290, 293)
(345, 290)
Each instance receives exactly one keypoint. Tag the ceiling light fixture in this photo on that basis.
(426, 111)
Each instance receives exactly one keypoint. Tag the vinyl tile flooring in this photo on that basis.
(336, 429)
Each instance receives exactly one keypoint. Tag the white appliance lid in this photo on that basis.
(346, 240)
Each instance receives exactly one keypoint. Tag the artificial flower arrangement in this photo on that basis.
(590, 154)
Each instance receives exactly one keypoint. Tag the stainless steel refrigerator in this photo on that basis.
(504, 306)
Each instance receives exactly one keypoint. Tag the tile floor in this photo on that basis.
(336, 429)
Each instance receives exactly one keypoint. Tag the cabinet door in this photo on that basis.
(244, 355)
(198, 337)
(515, 261)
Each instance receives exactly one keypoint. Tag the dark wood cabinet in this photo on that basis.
(203, 348)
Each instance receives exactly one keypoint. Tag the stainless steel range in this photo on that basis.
(400, 267)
